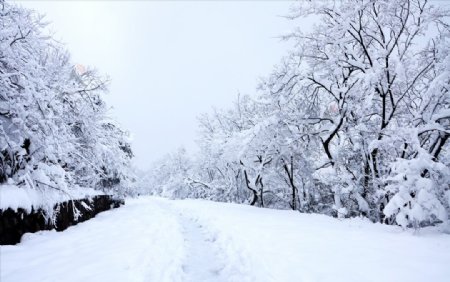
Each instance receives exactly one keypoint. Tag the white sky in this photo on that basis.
(170, 61)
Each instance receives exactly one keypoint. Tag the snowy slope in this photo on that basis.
(153, 239)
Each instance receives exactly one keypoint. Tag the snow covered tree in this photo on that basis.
(354, 80)
(169, 176)
(55, 133)
(354, 121)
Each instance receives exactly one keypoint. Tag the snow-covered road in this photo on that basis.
(153, 239)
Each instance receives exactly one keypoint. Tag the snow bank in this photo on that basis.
(14, 197)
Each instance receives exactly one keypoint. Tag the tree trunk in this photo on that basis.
(290, 174)
(255, 193)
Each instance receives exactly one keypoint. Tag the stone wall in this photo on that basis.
(14, 223)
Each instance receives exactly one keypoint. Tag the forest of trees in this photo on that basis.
(354, 121)
(55, 132)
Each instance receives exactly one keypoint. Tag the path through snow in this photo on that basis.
(202, 261)
(158, 240)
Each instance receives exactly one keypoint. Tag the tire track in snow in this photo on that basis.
(202, 262)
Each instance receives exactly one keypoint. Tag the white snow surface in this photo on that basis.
(154, 239)
(15, 197)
